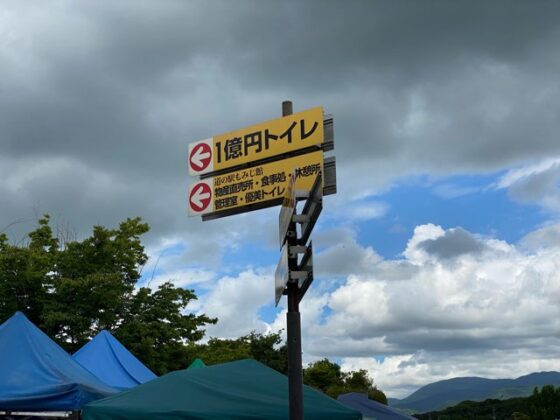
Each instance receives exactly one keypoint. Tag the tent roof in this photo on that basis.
(196, 363)
(110, 361)
(37, 374)
(370, 408)
(245, 389)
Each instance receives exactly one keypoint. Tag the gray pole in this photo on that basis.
(287, 108)
(293, 322)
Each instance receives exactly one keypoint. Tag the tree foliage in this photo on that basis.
(154, 327)
(74, 291)
(545, 404)
(329, 378)
(265, 348)
(26, 273)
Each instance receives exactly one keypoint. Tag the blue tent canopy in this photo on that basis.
(369, 408)
(110, 361)
(36, 374)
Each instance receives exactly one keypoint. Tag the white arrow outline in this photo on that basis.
(198, 196)
(199, 156)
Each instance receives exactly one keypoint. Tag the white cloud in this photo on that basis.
(496, 300)
(236, 301)
(169, 260)
(449, 190)
(421, 233)
(543, 238)
(311, 313)
(400, 375)
(368, 211)
(445, 309)
(359, 210)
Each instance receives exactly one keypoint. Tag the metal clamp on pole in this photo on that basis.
(294, 250)
(312, 209)
(306, 265)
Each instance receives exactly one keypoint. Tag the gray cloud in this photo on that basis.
(542, 188)
(344, 257)
(453, 243)
(99, 100)
(108, 96)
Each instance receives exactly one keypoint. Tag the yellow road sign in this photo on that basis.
(257, 142)
(256, 187)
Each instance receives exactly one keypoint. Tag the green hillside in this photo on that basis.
(447, 393)
(543, 404)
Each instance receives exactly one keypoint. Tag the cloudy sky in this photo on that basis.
(440, 254)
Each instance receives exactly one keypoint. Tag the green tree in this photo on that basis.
(217, 351)
(26, 273)
(83, 306)
(359, 381)
(545, 404)
(269, 350)
(155, 328)
(73, 292)
(93, 282)
(265, 348)
(377, 395)
(325, 376)
(328, 377)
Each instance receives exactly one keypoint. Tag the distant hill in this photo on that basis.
(545, 404)
(442, 394)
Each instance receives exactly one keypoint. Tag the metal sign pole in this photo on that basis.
(293, 321)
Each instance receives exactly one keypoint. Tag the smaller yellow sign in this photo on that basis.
(257, 185)
(257, 142)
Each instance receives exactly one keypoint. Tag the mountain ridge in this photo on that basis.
(441, 394)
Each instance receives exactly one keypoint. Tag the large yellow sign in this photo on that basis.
(258, 186)
(257, 142)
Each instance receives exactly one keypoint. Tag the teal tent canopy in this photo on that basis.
(196, 363)
(36, 374)
(245, 389)
(110, 361)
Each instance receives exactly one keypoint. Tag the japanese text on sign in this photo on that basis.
(263, 183)
(261, 141)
